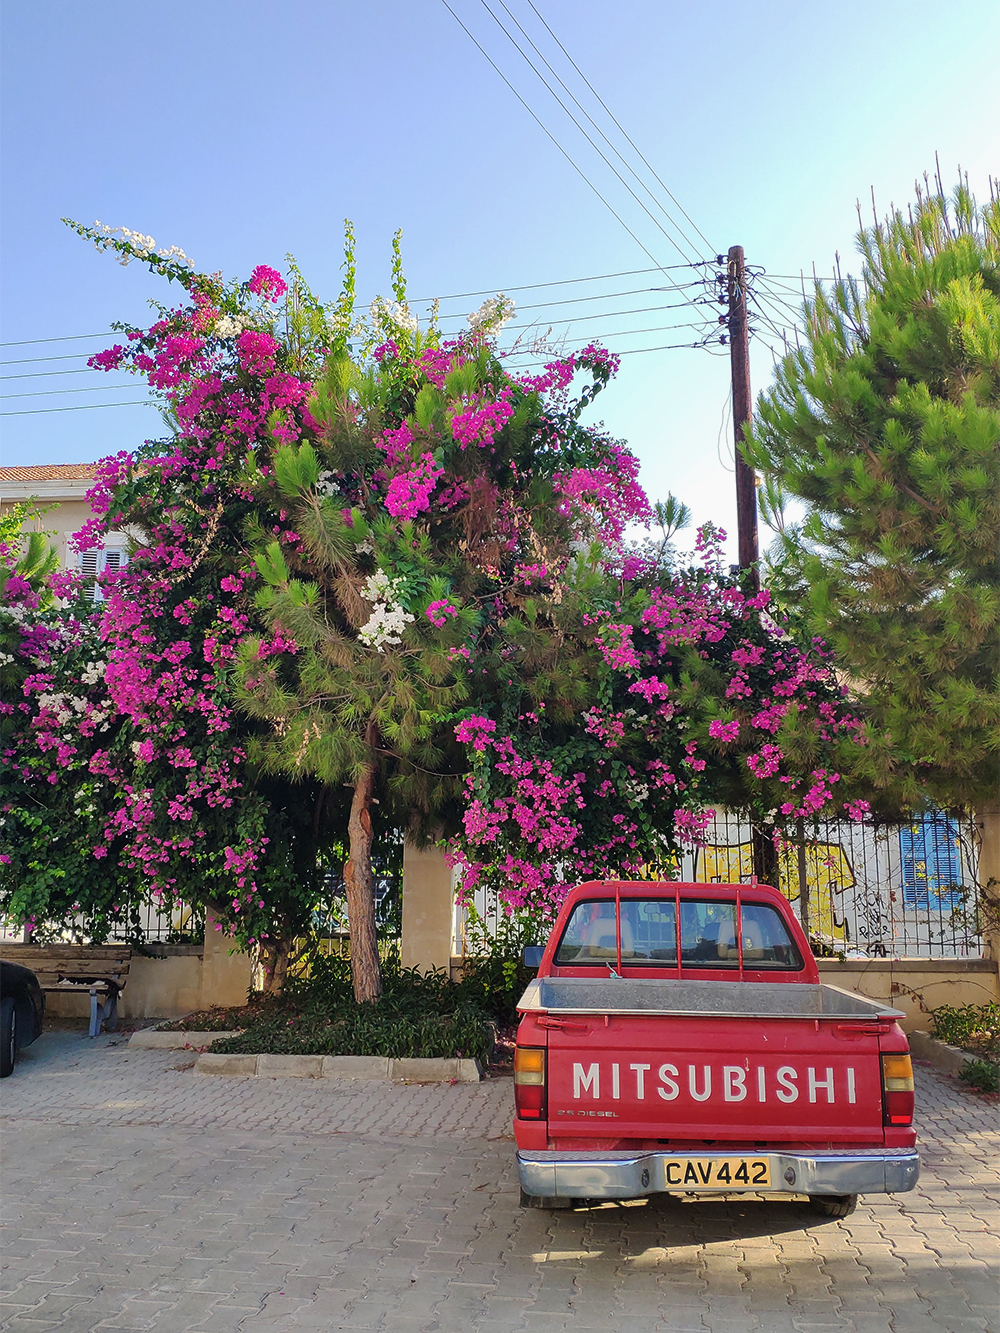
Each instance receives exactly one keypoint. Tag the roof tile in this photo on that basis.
(50, 472)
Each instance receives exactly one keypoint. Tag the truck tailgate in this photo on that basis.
(772, 1063)
(747, 1080)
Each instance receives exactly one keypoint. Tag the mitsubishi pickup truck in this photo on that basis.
(677, 1039)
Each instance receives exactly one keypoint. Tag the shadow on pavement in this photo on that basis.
(684, 1221)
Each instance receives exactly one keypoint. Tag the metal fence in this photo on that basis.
(870, 891)
(146, 922)
(863, 890)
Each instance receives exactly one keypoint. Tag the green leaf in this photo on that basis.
(271, 565)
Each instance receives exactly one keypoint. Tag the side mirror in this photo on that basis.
(531, 955)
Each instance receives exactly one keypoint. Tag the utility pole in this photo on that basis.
(739, 359)
(765, 857)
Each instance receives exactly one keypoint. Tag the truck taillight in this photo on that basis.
(897, 1090)
(529, 1082)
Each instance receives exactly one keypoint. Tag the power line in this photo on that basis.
(421, 300)
(583, 176)
(600, 296)
(548, 86)
(782, 302)
(766, 278)
(46, 393)
(776, 294)
(538, 360)
(82, 407)
(42, 374)
(786, 288)
(559, 282)
(71, 337)
(784, 312)
(775, 329)
(619, 127)
(606, 314)
(637, 351)
(37, 360)
(794, 276)
(546, 359)
(527, 324)
(761, 300)
(625, 333)
(725, 420)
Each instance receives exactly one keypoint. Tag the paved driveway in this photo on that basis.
(140, 1196)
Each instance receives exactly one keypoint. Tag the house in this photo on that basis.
(60, 491)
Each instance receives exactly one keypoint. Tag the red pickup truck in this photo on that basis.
(677, 1039)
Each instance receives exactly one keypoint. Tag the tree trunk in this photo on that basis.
(274, 955)
(366, 972)
(805, 912)
(765, 856)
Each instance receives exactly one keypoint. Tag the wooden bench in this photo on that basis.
(99, 970)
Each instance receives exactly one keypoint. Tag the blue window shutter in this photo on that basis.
(931, 865)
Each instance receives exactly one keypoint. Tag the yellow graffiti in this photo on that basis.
(828, 872)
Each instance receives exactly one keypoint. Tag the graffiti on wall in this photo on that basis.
(828, 873)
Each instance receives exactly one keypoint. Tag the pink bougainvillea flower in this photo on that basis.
(267, 282)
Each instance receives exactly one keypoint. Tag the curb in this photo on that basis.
(938, 1053)
(339, 1066)
(153, 1039)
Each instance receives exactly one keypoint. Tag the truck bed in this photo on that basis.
(698, 999)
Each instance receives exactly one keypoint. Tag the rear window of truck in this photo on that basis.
(649, 935)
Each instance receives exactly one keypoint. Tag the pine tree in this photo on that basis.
(885, 421)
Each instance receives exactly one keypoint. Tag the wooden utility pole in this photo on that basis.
(739, 358)
(765, 857)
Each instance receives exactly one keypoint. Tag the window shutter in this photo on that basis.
(89, 564)
(94, 563)
(929, 850)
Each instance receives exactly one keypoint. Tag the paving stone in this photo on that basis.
(19, 1323)
(142, 1197)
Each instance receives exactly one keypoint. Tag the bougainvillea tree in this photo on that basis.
(698, 697)
(378, 578)
(148, 725)
(50, 691)
(605, 698)
(435, 499)
(395, 503)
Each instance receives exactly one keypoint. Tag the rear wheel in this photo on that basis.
(544, 1201)
(8, 1035)
(833, 1205)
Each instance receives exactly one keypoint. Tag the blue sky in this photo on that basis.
(241, 130)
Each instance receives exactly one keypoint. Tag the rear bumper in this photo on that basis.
(631, 1175)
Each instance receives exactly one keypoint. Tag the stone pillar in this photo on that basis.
(988, 817)
(226, 973)
(428, 906)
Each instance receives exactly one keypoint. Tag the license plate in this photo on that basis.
(718, 1173)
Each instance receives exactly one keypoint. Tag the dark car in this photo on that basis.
(22, 1004)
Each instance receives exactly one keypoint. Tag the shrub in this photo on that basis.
(367, 1030)
(418, 1014)
(984, 1075)
(974, 1027)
